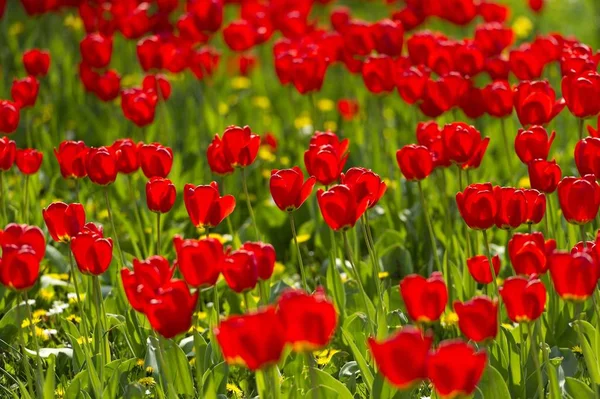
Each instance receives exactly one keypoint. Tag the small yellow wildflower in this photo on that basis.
(39, 313)
(80, 340)
(330, 125)
(140, 363)
(103, 214)
(522, 27)
(16, 29)
(74, 22)
(201, 315)
(577, 350)
(325, 105)
(197, 329)
(148, 382)
(266, 173)
(234, 389)
(285, 161)
(278, 269)
(266, 155)
(383, 275)
(42, 334)
(74, 318)
(149, 370)
(508, 326)
(261, 102)
(223, 109)
(240, 83)
(73, 298)
(302, 121)
(46, 294)
(303, 238)
(524, 182)
(58, 276)
(26, 323)
(449, 319)
(59, 392)
(324, 357)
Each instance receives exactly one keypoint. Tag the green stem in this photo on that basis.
(158, 233)
(300, 262)
(275, 386)
(436, 256)
(116, 236)
(164, 375)
(580, 123)
(137, 213)
(374, 263)
(507, 146)
(582, 232)
(310, 361)
(36, 346)
(199, 359)
(3, 193)
(246, 295)
(24, 356)
(264, 294)
(250, 210)
(101, 339)
(536, 359)
(358, 281)
(26, 200)
(522, 361)
(82, 315)
(489, 256)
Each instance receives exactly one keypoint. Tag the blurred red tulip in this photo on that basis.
(529, 252)
(574, 275)
(536, 5)
(340, 207)
(72, 156)
(415, 161)
(579, 198)
(20, 235)
(472, 103)
(526, 62)
(378, 73)
(430, 136)
(478, 318)
(108, 85)
(101, 166)
(577, 89)
(24, 91)
(205, 206)
(339, 18)
(200, 261)
(388, 36)
(479, 268)
(511, 205)
(126, 155)
(498, 99)
(412, 82)
(96, 50)
(443, 94)
(288, 188)
(142, 283)
(8, 153)
(9, 116)
(497, 67)
(525, 299)
(208, 13)
(240, 35)
(421, 45)
(348, 108)
(204, 62)
(326, 157)
(139, 106)
(245, 341)
(358, 37)
(19, 267)
(36, 62)
(170, 312)
(477, 205)
(493, 12)
(240, 146)
(156, 160)
(64, 221)
(535, 103)
(425, 299)
(533, 143)
(587, 156)
(92, 253)
(240, 270)
(148, 53)
(159, 84)
(160, 194)
(28, 160)
(544, 175)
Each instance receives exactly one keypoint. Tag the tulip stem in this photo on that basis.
(298, 254)
(275, 386)
(491, 265)
(158, 233)
(250, 210)
(310, 361)
(536, 359)
(138, 218)
(216, 301)
(375, 264)
(3, 193)
(26, 200)
(582, 231)
(24, 361)
(580, 123)
(264, 292)
(436, 256)
(86, 331)
(246, 295)
(522, 362)
(164, 376)
(114, 229)
(507, 147)
(358, 280)
(36, 346)
(101, 327)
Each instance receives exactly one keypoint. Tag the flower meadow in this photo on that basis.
(316, 199)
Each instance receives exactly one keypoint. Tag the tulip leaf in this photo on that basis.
(336, 288)
(577, 389)
(381, 388)
(178, 367)
(367, 375)
(329, 381)
(492, 385)
(586, 331)
(49, 381)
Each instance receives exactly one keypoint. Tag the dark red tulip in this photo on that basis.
(497, 68)
(450, 381)
(307, 72)
(536, 206)
(101, 166)
(415, 161)
(20, 235)
(264, 254)
(425, 299)
(205, 206)
(511, 205)
(139, 106)
(358, 37)
(160, 195)
(170, 312)
(89, 77)
(462, 142)
(387, 36)
(478, 318)
(577, 90)
(159, 84)
(96, 50)
(28, 160)
(579, 198)
(156, 160)
(477, 205)
(348, 108)
(525, 299)
(468, 59)
(402, 358)
(535, 103)
(64, 221)
(340, 208)
(364, 183)
(8, 153)
(339, 18)
(24, 91)
(36, 62)
(10, 115)
(412, 82)
(378, 74)
(189, 30)
(240, 146)
(108, 86)
(216, 158)
(288, 188)
(526, 62)
(587, 156)
(126, 155)
(479, 268)
(536, 5)
(421, 45)
(544, 175)
(498, 99)
(492, 12)
(240, 35)
(430, 136)
(309, 320)
(529, 252)
(92, 253)
(574, 275)
(240, 270)
(200, 261)
(326, 157)
(208, 13)
(472, 102)
(142, 283)
(19, 267)
(72, 156)
(533, 143)
(245, 341)
(576, 58)
(443, 94)
(148, 53)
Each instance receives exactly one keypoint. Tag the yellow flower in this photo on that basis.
(507, 326)
(330, 125)
(449, 319)
(149, 370)
(80, 340)
(74, 22)
(577, 350)
(524, 182)
(59, 392)
(140, 363)
(73, 298)
(201, 315)
(266, 155)
(278, 269)
(44, 335)
(285, 161)
(58, 276)
(234, 389)
(223, 109)
(148, 382)
(46, 294)
(302, 121)
(26, 322)
(240, 83)
(303, 238)
(16, 29)
(522, 27)
(324, 357)
(261, 102)
(325, 105)
(266, 173)
(103, 214)
(383, 275)
(38, 314)
(74, 318)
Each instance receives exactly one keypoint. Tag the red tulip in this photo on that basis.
(245, 341)
(477, 205)
(544, 175)
(20, 235)
(36, 62)
(309, 320)
(204, 62)
(577, 90)
(24, 91)
(536, 206)
(240, 270)
(339, 17)
(511, 204)
(159, 84)
(579, 198)
(387, 36)
(10, 115)
(498, 99)
(108, 86)
(8, 153)
(493, 38)
(536, 5)
(156, 160)
(142, 283)
(200, 261)
(425, 299)
(240, 146)
(72, 156)
(358, 37)
(472, 102)
(574, 275)
(364, 183)
(101, 166)
(64, 221)
(326, 157)
(29, 160)
(19, 267)
(443, 94)
(587, 156)
(430, 135)
(378, 73)
(148, 53)
(96, 50)
(340, 207)
(535, 103)
(412, 82)
(288, 188)
(533, 143)
(449, 380)
(89, 77)
(205, 206)
(240, 35)
(348, 108)
(264, 254)
(462, 142)
(403, 357)
(478, 318)
(126, 155)
(216, 158)
(170, 312)
(208, 13)
(529, 252)
(525, 299)
(160, 195)
(415, 161)
(526, 62)
(92, 253)
(497, 67)
(139, 106)
(421, 45)
(479, 268)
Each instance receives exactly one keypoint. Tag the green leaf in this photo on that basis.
(577, 389)
(49, 382)
(586, 331)
(382, 389)
(329, 381)
(492, 385)
(336, 288)
(322, 392)
(216, 377)
(360, 360)
(134, 391)
(47, 352)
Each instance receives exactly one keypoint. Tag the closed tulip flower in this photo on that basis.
(479, 268)
(387, 37)
(200, 261)
(92, 253)
(19, 267)
(533, 143)
(402, 358)
(462, 142)
(478, 318)
(160, 195)
(425, 299)
(587, 156)
(240, 35)
(364, 183)
(574, 275)
(24, 91)
(64, 221)
(289, 189)
(478, 206)
(378, 73)
(205, 206)
(498, 99)
(245, 341)
(577, 90)
(340, 207)
(544, 175)
(96, 50)
(142, 283)
(511, 204)
(108, 86)
(8, 153)
(535, 103)
(240, 270)
(264, 254)
(430, 135)
(28, 160)
(216, 158)
(536, 206)
(528, 253)
(412, 82)
(126, 155)
(579, 198)
(159, 84)
(415, 161)
(326, 157)
(72, 156)
(525, 299)
(101, 166)
(139, 106)
(240, 146)
(10, 114)
(20, 235)
(36, 62)
(156, 160)
(170, 312)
